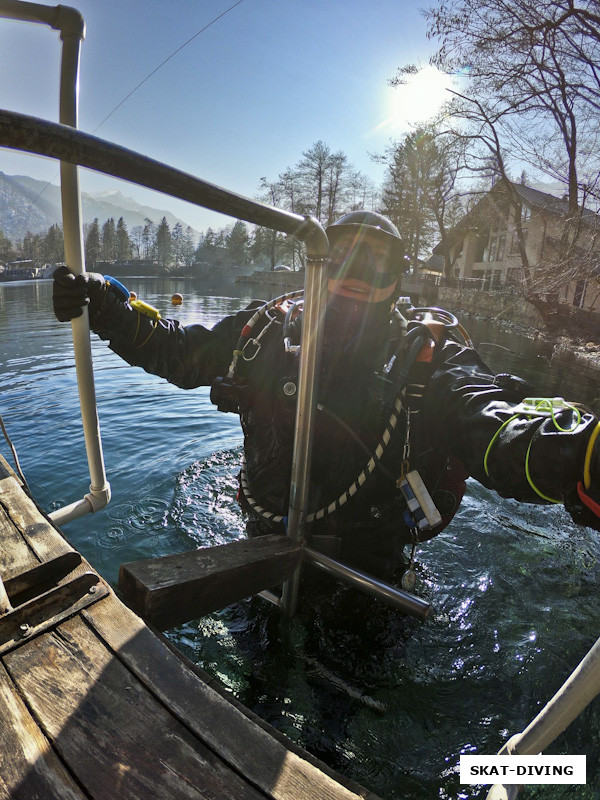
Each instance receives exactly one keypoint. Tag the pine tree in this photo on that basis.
(54, 245)
(419, 194)
(238, 244)
(109, 240)
(92, 244)
(7, 251)
(164, 244)
(123, 242)
(188, 247)
(177, 243)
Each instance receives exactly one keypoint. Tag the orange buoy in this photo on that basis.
(132, 296)
(177, 299)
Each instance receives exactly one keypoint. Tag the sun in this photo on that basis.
(417, 101)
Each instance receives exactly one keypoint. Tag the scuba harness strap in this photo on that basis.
(413, 359)
(229, 393)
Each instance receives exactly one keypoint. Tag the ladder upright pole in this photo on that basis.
(315, 298)
(72, 32)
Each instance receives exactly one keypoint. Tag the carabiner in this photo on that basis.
(257, 344)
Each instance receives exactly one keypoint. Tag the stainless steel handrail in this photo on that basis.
(38, 136)
(42, 137)
(577, 692)
(409, 603)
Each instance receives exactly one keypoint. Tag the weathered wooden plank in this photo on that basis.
(29, 768)
(282, 770)
(118, 740)
(40, 578)
(176, 588)
(6, 471)
(273, 765)
(39, 533)
(15, 555)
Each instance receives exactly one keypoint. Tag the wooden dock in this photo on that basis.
(95, 705)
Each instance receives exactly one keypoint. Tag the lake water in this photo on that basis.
(389, 702)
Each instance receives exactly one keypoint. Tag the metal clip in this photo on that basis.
(289, 347)
(256, 352)
(256, 342)
(409, 576)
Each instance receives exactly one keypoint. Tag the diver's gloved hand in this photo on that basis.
(583, 503)
(594, 488)
(72, 292)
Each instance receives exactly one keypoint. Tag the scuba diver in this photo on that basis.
(407, 410)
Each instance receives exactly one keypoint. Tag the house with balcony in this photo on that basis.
(483, 247)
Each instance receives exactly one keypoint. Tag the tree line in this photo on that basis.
(109, 242)
(323, 183)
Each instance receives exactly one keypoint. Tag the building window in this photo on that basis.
(501, 247)
(481, 250)
(514, 243)
(495, 248)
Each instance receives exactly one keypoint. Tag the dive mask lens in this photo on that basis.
(358, 263)
(361, 263)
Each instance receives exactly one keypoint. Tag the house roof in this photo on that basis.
(557, 205)
(531, 197)
(435, 263)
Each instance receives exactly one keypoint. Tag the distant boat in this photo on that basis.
(46, 271)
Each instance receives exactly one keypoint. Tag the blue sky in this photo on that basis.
(241, 101)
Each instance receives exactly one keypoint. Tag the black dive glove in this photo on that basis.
(71, 293)
(583, 500)
(591, 476)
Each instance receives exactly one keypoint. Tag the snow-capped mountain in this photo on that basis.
(27, 204)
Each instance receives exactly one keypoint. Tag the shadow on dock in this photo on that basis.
(96, 704)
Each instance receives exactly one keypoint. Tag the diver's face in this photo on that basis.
(360, 267)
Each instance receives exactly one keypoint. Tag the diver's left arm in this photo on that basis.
(549, 456)
(185, 355)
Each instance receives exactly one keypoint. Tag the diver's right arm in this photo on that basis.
(187, 356)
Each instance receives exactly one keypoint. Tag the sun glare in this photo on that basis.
(416, 101)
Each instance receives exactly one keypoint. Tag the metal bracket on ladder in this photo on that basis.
(37, 601)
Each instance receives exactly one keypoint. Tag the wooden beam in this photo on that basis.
(172, 589)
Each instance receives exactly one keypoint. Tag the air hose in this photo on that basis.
(418, 335)
(246, 334)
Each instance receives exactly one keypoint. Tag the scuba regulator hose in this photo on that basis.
(412, 342)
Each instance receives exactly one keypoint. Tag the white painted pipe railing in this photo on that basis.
(72, 32)
(577, 692)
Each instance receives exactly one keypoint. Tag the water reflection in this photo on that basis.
(534, 359)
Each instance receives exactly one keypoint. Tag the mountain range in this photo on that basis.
(27, 204)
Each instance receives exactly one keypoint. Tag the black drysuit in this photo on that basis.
(462, 408)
